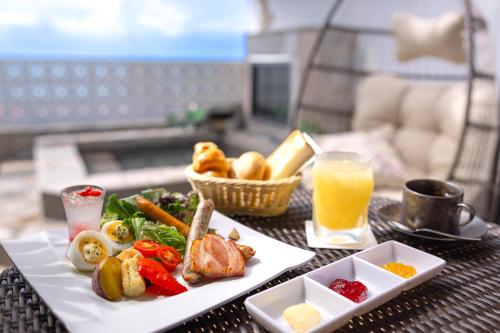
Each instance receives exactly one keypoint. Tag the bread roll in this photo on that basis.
(230, 168)
(287, 159)
(250, 166)
(211, 159)
(216, 173)
(267, 172)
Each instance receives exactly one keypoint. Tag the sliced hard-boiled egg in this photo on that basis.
(120, 236)
(88, 249)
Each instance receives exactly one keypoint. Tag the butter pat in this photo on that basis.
(302, 317)
(287, 159)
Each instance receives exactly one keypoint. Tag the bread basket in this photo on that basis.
(245, 197)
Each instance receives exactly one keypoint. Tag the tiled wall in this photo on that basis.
(48, 93)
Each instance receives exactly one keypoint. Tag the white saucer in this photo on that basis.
(477, 228)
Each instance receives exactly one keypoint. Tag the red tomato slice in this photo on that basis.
(169, 257)
(159, 276)
(147, 247)
(158, 291)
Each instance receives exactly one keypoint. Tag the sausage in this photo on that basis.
(155, 213)
(199, 228)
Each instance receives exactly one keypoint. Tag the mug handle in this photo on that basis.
(470, 210)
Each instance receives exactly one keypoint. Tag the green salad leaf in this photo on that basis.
(166, 235)
(181, 206)
(117, 209)
(158, 232)
(135, 224)
(153, 194)
(193, 201)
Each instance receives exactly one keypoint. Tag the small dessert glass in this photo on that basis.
(83, 207)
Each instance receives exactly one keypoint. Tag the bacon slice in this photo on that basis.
(215, 258)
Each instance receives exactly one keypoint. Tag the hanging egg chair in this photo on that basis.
(375, 63)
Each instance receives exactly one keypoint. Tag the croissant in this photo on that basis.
(201, 147)
(211, 159)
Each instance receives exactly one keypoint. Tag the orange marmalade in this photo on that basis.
(405, 271)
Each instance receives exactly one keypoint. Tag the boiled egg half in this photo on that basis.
(120, 236)
(88, 249)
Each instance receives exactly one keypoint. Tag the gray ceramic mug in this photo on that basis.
(434, 204)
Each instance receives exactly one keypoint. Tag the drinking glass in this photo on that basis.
(82, 212)
(342, 187)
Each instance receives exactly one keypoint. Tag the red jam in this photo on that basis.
(354, 290)
(89, 191)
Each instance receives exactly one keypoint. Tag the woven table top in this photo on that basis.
(465, 297)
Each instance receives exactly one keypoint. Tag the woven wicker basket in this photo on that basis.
(245, 197)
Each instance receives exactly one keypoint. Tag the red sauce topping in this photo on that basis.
(89, 191)
(354, 290)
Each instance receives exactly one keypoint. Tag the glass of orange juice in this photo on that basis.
(342, 187)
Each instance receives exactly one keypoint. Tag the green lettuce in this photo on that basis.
(165, 235)
(180, 205)
(157, 232)
(119, 209)
(153, 194)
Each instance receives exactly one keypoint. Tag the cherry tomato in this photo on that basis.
(159, 276)
(169, 256)
(147, 247)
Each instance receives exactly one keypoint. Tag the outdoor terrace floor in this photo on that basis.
(21, 213)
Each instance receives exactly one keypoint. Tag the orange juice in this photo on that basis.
(343, 184)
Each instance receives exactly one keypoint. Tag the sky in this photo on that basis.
(130, 29)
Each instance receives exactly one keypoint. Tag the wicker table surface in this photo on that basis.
(465, 297)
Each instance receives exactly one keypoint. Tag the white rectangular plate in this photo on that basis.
(41, 259)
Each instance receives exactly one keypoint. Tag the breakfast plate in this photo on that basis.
(473, 231)
(42, 261)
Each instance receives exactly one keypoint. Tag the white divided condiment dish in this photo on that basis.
(336, 310)
(425, 264)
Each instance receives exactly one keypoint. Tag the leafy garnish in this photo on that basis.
(179, 205)
(135, 224)
(166, 235)
(153, 195)
(160, 233)
(118, 209)
(193, 201)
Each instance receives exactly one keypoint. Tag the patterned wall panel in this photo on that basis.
(55, 92)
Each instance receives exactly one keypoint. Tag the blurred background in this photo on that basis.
(115, 93)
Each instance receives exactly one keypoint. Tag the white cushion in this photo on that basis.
(427, 119)
(375, 106)
(413, 145)
(439, 37)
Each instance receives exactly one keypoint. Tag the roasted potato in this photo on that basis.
(107, 279)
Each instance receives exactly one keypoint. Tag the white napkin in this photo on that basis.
(313, 241)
